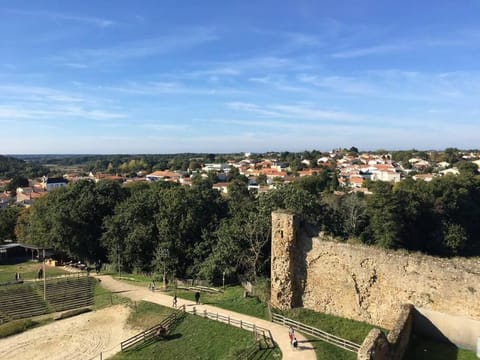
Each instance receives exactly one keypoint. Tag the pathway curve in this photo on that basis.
(279, 332)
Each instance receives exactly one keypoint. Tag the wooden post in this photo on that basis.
(44, 278)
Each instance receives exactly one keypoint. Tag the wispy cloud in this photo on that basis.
(372, 50)
(58, 114)
(299, 112)
(349, 85)
(169, 43)
(461, 38)
(161, 127)
(55, 16)
(43, 103)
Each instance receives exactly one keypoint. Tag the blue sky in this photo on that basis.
(228, 76)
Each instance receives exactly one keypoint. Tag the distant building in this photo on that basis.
(99, 177)
(53, 183)
(26, 196)
(5, 199)
(163, 175)
(216, 167)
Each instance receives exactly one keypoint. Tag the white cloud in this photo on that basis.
(298, 112)
(168, 43)
(50, 15)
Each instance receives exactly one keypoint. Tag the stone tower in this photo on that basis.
(284, 227)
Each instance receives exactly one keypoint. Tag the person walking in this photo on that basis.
(175, 300)
(197, 298)
(291, 334)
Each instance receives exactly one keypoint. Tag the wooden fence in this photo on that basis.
(153, 331)
(258, 331)
(319, 334)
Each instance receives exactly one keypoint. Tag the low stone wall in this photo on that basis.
(393, 347)
(374, 347)
(399, 336)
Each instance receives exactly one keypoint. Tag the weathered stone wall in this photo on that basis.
(366, 283)
(371, 284)
(375, 347)
(399, 336)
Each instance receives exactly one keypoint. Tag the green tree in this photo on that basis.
(130, 233)
(8, 220)
(383, 213)
(467, 168)
(16, 182)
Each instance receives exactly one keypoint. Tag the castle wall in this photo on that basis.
(370, 284)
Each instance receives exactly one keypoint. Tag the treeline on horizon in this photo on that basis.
(206, 234)
(32, 166)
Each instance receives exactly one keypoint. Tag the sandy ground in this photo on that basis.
(80, 337)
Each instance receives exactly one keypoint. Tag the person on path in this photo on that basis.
(291, 334)
(40, 273)
(197, 298)
(175, 300)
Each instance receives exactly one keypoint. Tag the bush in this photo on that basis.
(16, 327)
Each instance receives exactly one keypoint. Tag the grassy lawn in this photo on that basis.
(352, 330)
(27, 270)
(19, 326)
(147, 314)
(426, 349)
(104, 298)
(192, 338)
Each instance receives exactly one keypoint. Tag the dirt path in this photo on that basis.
(81, 337)
(279, 333)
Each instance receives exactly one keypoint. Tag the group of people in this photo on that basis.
(293, 339)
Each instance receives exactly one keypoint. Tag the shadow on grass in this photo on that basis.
(264, 354)
(421, 348)
(154, 340)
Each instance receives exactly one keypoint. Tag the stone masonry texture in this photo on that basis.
(366, 283)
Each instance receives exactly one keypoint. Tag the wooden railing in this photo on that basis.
(258, 331)
(153, 331)
(201, 288)
(319, 334)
